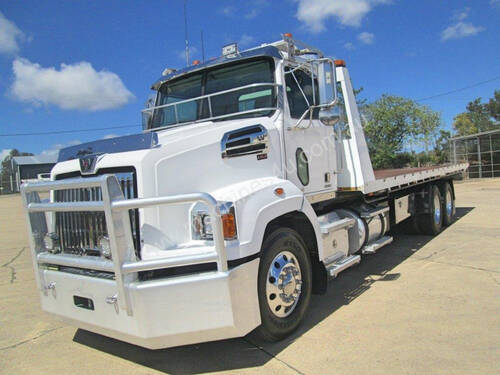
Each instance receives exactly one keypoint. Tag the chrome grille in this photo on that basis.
(79, 232)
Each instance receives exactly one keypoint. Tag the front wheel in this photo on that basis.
(284, 284)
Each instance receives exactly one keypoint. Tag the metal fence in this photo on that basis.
(481, 151)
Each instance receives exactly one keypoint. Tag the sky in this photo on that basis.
(83, 65)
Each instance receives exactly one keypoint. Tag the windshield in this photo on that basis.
(205, 95)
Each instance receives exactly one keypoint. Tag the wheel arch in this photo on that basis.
(300, 223)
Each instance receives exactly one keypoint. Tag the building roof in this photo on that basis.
(36, 159)
(489, 132)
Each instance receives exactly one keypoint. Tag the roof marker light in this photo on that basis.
(288, 35)
(339, 63)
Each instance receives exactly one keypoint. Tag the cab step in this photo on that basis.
(336, 267)
(375, 245)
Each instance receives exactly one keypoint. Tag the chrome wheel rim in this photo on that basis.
(283, 284)
(449, 203)
(437, 209)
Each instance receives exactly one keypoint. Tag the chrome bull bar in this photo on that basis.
(124, 264)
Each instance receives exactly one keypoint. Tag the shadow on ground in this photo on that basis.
(248, 351)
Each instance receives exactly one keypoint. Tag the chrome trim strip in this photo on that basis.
(256, 138)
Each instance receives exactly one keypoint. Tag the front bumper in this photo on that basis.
(167, 312)
(156, 313)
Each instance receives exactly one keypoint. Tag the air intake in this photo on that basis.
(245, 141)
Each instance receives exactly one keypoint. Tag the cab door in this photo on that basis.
(309, 145)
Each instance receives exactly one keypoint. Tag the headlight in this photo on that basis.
(51, 242)
(105, 247)
(201, 223)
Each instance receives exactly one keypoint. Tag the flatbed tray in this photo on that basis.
(396, 179)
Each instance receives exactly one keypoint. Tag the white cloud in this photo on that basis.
(366, 38)
(76, 86)
(349, 46)
(314, 13)
(460, 29)
(461, 15)
(54, 149)
(246, 40)
(10, 36)
(3, 153)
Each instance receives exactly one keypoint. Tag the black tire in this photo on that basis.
(449, 209)
(274, 328)
(432, 223)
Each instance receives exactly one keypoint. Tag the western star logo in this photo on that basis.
(87, 164)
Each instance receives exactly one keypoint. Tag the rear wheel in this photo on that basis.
(448, 205)
(431, 223)
(284, 284)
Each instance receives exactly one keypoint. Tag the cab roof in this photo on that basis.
(269, 51)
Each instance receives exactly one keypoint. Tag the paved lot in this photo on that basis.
(422, 305)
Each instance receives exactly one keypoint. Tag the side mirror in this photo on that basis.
(326, 82)
(330, 116)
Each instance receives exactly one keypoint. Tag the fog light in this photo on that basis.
(51, 242)
(105, 247)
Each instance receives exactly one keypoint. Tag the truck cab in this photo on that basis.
(250, 186)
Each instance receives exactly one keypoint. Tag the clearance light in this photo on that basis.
(339, 63)
(288, 35)
(196, 62)
(279, 191)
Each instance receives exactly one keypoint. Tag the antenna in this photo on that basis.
(202, 47)
(186, 34)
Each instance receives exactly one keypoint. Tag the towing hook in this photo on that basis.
(50, 286)
(113, 300)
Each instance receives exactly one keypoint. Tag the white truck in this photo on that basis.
(250, 186)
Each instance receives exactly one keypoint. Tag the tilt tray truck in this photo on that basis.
(250, 186)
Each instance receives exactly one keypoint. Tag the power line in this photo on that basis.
(68, 131)
(458, 90)
(133, 126)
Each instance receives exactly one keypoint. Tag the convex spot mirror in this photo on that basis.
(330, 116)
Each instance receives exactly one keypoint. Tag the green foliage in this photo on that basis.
(394, 122)
(479, 117)
(494, 106)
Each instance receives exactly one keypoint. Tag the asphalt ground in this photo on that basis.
(423, 305)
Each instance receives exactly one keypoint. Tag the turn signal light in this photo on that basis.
(229, 226)
(339, 63)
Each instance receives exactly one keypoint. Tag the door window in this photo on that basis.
(299, 92)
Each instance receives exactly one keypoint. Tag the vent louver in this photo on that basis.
(245, 141)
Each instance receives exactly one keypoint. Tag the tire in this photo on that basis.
(449, 209)
(283, 254)
(432, 222)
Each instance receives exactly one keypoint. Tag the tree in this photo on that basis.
(442, 147)
(7, 172)
(494, 105)
(392, 123)
(479, 117)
